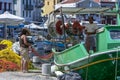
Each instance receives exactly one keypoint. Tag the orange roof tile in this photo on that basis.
(97, 1)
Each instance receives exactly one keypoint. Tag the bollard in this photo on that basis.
(46, 69)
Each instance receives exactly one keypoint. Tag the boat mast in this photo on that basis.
(117, 10)
(63, 25)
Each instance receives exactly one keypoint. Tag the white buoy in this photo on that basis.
(46, 69)
(59, 73)
(54, 68)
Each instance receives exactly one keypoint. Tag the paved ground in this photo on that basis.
(32, 75)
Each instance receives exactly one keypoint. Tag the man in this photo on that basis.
(90, 31)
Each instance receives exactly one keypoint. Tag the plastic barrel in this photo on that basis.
(46, 69)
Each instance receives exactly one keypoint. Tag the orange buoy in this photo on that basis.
(59, 27)
(76, 27)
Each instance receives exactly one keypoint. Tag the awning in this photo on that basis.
(92, 10)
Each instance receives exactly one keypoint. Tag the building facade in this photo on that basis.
(49, 6)
(6, 5)
(29, 9)
(107, 19)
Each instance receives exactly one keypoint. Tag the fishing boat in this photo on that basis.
(104, 63)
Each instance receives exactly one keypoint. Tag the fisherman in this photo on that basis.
(90, 31)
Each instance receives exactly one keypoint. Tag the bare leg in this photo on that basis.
(94, 49)
(26, 65)
(22, 63)
(87, 44)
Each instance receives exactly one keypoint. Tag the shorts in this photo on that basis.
(91, 41)
(24, 53)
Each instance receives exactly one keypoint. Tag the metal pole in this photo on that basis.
(5, 31)
(63, 25)
(117, 10)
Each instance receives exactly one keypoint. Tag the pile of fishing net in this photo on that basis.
(9, 60)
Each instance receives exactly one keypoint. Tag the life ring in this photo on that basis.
(59, 28)
(76, 27)
(51, 29)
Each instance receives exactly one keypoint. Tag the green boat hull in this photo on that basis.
(104, 64)
(102, 67)
(98, 66)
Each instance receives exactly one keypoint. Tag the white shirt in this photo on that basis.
(91, 27)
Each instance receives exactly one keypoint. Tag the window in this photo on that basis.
(14, 12)
(5, 6)
(0, 5)
(47, 3)
(23, 1)
(15, 1)
(29, 13)
(54, 2)
(23, 14)
(26, 13)
(119, 4)
(115, 34)
(26, 2)
(30, 2)
(61, 0)
(9, 6)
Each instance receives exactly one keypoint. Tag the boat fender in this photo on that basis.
(59, 27)
(54, 68)
(77, 27)
(67, 69)
(59, 73)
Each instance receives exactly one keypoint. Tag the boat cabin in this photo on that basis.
(108, 37)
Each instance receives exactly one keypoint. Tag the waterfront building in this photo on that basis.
(91, 3)
(6, 5)
(29, 9)
(49, 6)
(78, 3)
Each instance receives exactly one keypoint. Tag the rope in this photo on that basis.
(116, 63)
(104, 60)
(6, 65)
(43, 57)
(93, 63)
(87, 68)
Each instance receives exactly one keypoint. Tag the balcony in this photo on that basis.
(39, 5)
(28, 7)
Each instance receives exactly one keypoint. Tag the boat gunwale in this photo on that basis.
(90, 56)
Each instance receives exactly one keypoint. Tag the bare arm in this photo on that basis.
(25, 41)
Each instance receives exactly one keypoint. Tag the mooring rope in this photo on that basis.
(86, 75)
(116, 63)
(93, 63)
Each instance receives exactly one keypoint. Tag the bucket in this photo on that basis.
(46, 69)
(36, 59)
